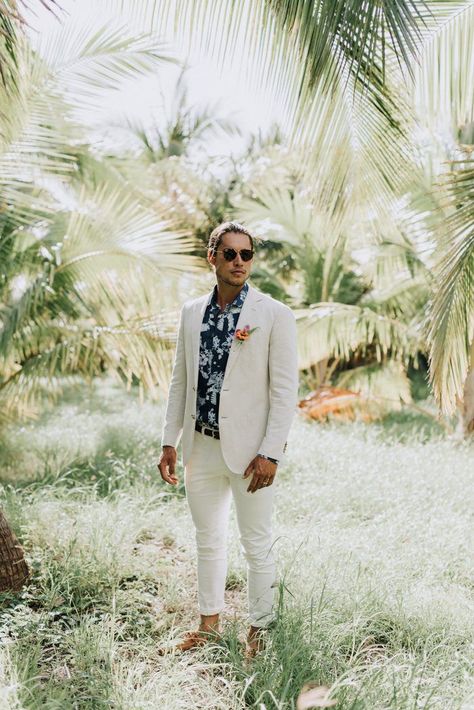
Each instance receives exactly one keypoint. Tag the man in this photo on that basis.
(232, 398)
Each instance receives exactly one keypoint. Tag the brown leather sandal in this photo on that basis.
(256, 642)
(195, 639)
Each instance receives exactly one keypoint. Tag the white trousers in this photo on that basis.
(210, 484)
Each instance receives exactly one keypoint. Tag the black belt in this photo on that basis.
(207, 431)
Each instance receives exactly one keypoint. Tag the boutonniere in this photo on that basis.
(244, 333)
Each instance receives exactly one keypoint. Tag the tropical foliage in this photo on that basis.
(359, 315)
(84, 255)
(356, 101)
(363, 198)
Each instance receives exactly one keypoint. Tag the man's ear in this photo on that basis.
(211, 258)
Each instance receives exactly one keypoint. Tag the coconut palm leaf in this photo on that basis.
(63, 352)
(85, 62)
(66, 74)
(8, 36)
(109, 230)
(443, 89)
(405, 298)
(183, 125)
(315, 239)
(11, 22)
(337, 330)
(335, 94)
(386, 384)
(451, 317)
(323, 37)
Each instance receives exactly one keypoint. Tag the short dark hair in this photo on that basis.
(217, 234)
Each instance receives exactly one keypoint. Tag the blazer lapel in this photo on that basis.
(246, 315)
(199, 310)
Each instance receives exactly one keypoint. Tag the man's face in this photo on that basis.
(237, 271)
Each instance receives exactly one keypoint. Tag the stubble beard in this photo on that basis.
(236, 280)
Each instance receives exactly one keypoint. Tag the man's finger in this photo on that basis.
(260, 481)
(168, 476)
(248, 470)
(254, 483)
(170, 479)
(249, 487)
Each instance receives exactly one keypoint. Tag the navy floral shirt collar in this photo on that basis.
(238, 301)
(217, 332)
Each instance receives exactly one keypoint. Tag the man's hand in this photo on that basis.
(166, 465)
(263, 470)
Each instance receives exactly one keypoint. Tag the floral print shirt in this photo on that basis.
(217, 332)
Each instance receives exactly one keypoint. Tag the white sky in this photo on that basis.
(141, 100)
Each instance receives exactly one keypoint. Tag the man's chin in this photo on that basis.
(235, 280)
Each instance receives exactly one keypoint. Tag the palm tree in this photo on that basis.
(444, 94)
(338, 69)
(359, 324)
(76, 239)
(11, 22)
(184, 126)
(86, 262)
(164, 161)
(343, 71)
(451, 323)
(14, 571)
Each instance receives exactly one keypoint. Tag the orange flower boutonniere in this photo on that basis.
(244, 333)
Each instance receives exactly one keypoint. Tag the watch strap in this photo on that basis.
(269, 458)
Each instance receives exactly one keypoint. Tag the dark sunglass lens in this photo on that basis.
(229, 254)
(246, 254)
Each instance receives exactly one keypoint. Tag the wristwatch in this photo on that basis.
(269, 458)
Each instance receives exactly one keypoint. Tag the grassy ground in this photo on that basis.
(375, 541)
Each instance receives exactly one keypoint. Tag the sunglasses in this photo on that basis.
(230, 254)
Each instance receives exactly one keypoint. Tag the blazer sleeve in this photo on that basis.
(283, 382)
(175, 407)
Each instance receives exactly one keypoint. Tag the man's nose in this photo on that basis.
(238, 259)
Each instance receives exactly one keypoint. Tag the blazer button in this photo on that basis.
(193, 416)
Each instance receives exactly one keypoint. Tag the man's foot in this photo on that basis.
(208, 631)
(255, 641)
(195, 639)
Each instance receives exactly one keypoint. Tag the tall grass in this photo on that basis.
(374, 536)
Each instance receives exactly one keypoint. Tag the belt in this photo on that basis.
(207, 431)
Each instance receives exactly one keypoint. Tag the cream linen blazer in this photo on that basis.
(260, 387)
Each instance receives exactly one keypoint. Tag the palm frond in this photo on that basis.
(321, 37)
(451, 316)
(63, 352)
(386, 384)
(325, 62)
(85, 62)
(336, 330)
(109, 224)
(443, 89)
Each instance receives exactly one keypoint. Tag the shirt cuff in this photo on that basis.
(269, 458)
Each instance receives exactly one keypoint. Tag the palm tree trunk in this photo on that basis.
(13, 568)
(468, 408)
(468, 398)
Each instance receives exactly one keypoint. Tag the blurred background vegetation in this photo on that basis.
(361, 200)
